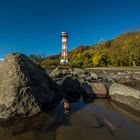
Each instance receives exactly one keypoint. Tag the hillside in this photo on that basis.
(123, 50)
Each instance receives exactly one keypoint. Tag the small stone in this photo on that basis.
(94, 76)
(78, 71)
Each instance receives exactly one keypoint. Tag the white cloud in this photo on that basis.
(1, 59)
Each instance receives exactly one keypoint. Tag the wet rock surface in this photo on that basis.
(126, 95)
(25, 88)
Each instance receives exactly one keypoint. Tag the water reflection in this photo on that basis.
(82, 116)
(73, 99)
(66, 105)
(41, 125)
(66, 112)
(72, 104)
(87, 100)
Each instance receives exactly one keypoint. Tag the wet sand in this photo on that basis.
(87, 120)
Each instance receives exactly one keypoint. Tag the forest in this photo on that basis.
(123, 50)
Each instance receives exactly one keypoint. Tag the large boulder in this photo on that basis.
(94, 90)
(125, 95)
(25, 87)
(71, 86)
(99, 89)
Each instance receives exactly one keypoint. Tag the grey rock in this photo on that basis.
(126, 95)
(59, 72)
(112, 75)
(125, 80)
(110, 79)
(122, 78)
(58, 81)
(56, 73)
(88, 78)
(121, 73)
(83, 76)
(99, 89)
(2, 107)
(78, 71)
(136, 76)
(25, 87)
(102, 76)
(66, 72)
(94, 76)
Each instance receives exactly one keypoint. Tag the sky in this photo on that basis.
(35, 26)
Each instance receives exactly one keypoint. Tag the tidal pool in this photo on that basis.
(87, 119)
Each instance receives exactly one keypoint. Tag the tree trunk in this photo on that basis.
(134, 63)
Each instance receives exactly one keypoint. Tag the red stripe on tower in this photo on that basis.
(64, 43)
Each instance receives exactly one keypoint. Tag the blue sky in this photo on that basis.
(35, 26)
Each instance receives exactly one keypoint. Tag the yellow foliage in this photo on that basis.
(96, 59)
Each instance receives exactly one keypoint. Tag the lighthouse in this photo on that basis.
(64, 53)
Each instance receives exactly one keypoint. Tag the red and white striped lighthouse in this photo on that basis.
(64, 53)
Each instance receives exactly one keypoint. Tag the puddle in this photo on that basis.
(87, 119)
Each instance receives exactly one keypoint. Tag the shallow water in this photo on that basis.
(87, 120)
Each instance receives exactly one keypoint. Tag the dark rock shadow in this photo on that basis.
(73, 99)
(87, 100)
(71, 86)
(87, 91)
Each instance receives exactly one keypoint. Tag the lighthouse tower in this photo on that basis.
(64, 53)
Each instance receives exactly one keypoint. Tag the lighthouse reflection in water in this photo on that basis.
(66, 106)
